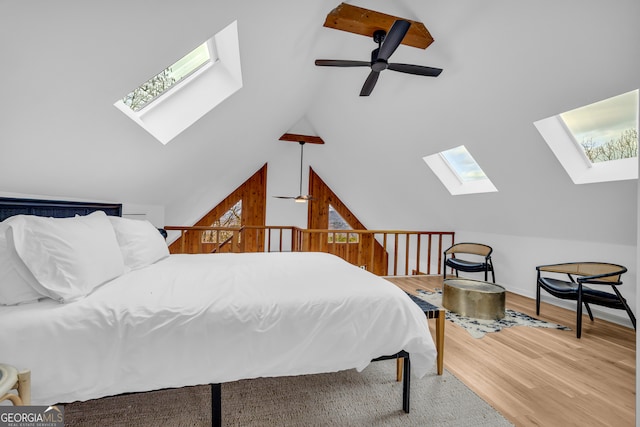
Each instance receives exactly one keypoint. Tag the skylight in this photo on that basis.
(606, 130)
(459, 172)
(182, 93)
(159, 84)
(597, 142)
(463, 164)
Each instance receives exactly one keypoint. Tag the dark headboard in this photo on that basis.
(54, 208)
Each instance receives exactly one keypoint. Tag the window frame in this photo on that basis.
(161, 97)
(449, 177)
(340, 231)
(575, 162)
(196, 95)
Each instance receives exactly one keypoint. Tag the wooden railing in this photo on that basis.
(383, 252)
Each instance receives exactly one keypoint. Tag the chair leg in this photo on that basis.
(630, 313)
(589, 311)
(626, 306)
(24, 387)
(537, 299)
(579, 318)
(13, 398)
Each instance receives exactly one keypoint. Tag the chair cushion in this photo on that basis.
(462, 265)
(569, 290)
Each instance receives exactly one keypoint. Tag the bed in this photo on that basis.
(163, 321)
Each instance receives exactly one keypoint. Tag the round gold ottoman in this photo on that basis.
(474, 298)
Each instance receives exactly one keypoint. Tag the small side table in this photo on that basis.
(11, 379)
(431, 312)
(474, 298)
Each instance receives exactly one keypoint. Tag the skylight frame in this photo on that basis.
(456, 167)
(609, 108)
(576, 144)
(197, 94)
(573, 159)
(183, 79)
(454, 183)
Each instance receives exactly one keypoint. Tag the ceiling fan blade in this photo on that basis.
(370, 83)
(393, 39)
(284, 197)
(341, 63)
(415, 69)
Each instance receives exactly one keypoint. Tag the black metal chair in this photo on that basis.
(581, 273)
(481, 262)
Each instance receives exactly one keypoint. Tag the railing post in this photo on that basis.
(372, 252)
(395, 255)
(429, 255)
(440, 254)
(418, 254)
(407, 238)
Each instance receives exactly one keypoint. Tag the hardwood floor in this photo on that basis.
(544, 377)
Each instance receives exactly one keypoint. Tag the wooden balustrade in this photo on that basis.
(383, 252)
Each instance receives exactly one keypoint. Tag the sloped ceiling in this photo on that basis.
(506, 64)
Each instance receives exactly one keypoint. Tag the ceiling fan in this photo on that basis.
(387, 44)
(300, 198)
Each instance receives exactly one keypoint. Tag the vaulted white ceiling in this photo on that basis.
(506, 65)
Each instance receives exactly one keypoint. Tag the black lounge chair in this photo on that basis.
(600, 274)
(479, 262)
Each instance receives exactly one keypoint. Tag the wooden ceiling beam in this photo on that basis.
(362, 21)
(294, 137)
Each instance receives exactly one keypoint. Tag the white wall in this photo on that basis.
(637, 293)
(152, 213)
(516, 257)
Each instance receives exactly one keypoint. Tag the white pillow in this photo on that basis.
(140, 242)
(17, 284)
(69, 257)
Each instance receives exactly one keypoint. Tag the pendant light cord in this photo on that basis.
(301, 156)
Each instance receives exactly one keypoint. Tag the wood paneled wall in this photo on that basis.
(253, 193)
(318, 218)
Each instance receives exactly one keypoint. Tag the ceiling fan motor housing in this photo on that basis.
(379, 35)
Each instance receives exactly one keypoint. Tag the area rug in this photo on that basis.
(348, 398)
(477, 328)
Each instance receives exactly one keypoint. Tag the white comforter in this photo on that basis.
(198, 319)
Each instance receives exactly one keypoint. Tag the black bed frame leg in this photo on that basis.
(216, 405)
(406, 386)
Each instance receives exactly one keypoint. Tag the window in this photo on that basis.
(182, 93)
(597, 142)
(159, 84)
(232, 219)
(463, 164)
(336, 222)
(606, 130)
(459, 172)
